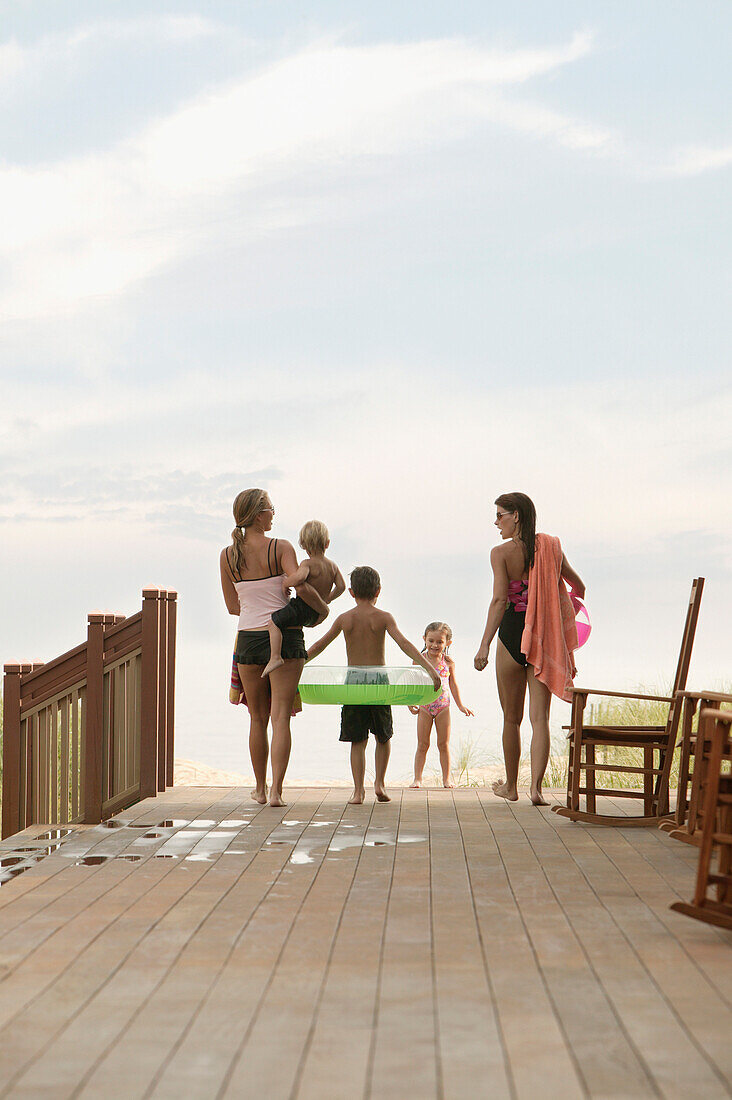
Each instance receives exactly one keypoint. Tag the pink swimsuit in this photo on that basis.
(442, 702)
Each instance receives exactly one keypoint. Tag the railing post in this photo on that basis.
(149, 693)
(170, 707)
(162, 688)
(11, 822)
(93, 733)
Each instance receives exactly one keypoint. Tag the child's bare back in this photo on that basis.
(321, 574)
(364, 630)
(317, 582)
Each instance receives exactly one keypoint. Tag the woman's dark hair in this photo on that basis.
(519, 502)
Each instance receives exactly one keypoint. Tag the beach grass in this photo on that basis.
(470, 759)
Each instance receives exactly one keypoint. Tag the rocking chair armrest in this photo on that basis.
(622, 694)
(716, 696)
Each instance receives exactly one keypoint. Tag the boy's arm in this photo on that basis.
(339, 586)
(301, 574)
(320, 645)
(455, 690)
(411, 651)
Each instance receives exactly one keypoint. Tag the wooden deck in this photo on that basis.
(444, 945)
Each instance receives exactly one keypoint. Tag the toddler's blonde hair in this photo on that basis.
(441, 628)
(314, 537)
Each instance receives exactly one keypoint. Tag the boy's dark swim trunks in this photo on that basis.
(358, 721)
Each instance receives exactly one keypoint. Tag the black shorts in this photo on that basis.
(510, 631)
(295, 613)
(358, 721)
(252, 646)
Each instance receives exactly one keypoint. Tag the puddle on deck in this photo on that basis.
(8, 876)
(203, 840)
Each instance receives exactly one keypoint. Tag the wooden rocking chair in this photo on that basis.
(717, 830)
(696, 745)
(660, 740)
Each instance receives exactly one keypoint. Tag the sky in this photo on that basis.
(386, 261)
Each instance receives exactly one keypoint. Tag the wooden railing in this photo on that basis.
(91, 732)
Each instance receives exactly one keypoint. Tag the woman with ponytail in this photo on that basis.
(252, 568)
(532, 614)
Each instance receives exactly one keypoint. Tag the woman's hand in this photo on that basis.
(413, 710)
(481, 658)
(468, 713)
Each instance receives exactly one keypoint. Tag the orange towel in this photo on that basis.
(550, 633)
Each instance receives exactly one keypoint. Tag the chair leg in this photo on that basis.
(575, 752)
(590, 780)
(682, 793)
(648, 781)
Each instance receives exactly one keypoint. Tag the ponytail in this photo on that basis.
(247, 507)
(238, 540)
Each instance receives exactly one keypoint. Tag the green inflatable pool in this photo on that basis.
(364, 684)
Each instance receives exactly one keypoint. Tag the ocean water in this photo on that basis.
(212, 731)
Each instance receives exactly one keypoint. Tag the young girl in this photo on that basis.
(437, 640)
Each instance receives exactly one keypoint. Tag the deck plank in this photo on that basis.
(109, 977)
(606, 1056)
(442, 945)
(181, 989)
(472, 1052)
(513, 968)
(338, 1046)
(405, 1022)
(616, 930)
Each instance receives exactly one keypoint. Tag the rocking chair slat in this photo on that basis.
(621, 768)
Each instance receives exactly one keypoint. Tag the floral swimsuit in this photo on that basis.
(514, 619)
(442, 702)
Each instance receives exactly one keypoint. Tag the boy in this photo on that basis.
(365, 629)
(321, 573)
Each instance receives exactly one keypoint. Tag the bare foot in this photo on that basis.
(537, 798)
(447, 783)
(416, 785)
(259, 796)
(276, 799)
(357, 798)
(504, 791)
(381, 795)
(272, 664)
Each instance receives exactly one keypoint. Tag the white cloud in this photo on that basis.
(24, 60)
(84, 230)
(697, 159)
(89, 227)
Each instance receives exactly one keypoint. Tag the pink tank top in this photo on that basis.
(257, 601)
(259, 598)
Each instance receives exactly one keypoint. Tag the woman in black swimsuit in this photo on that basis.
(511, 562)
